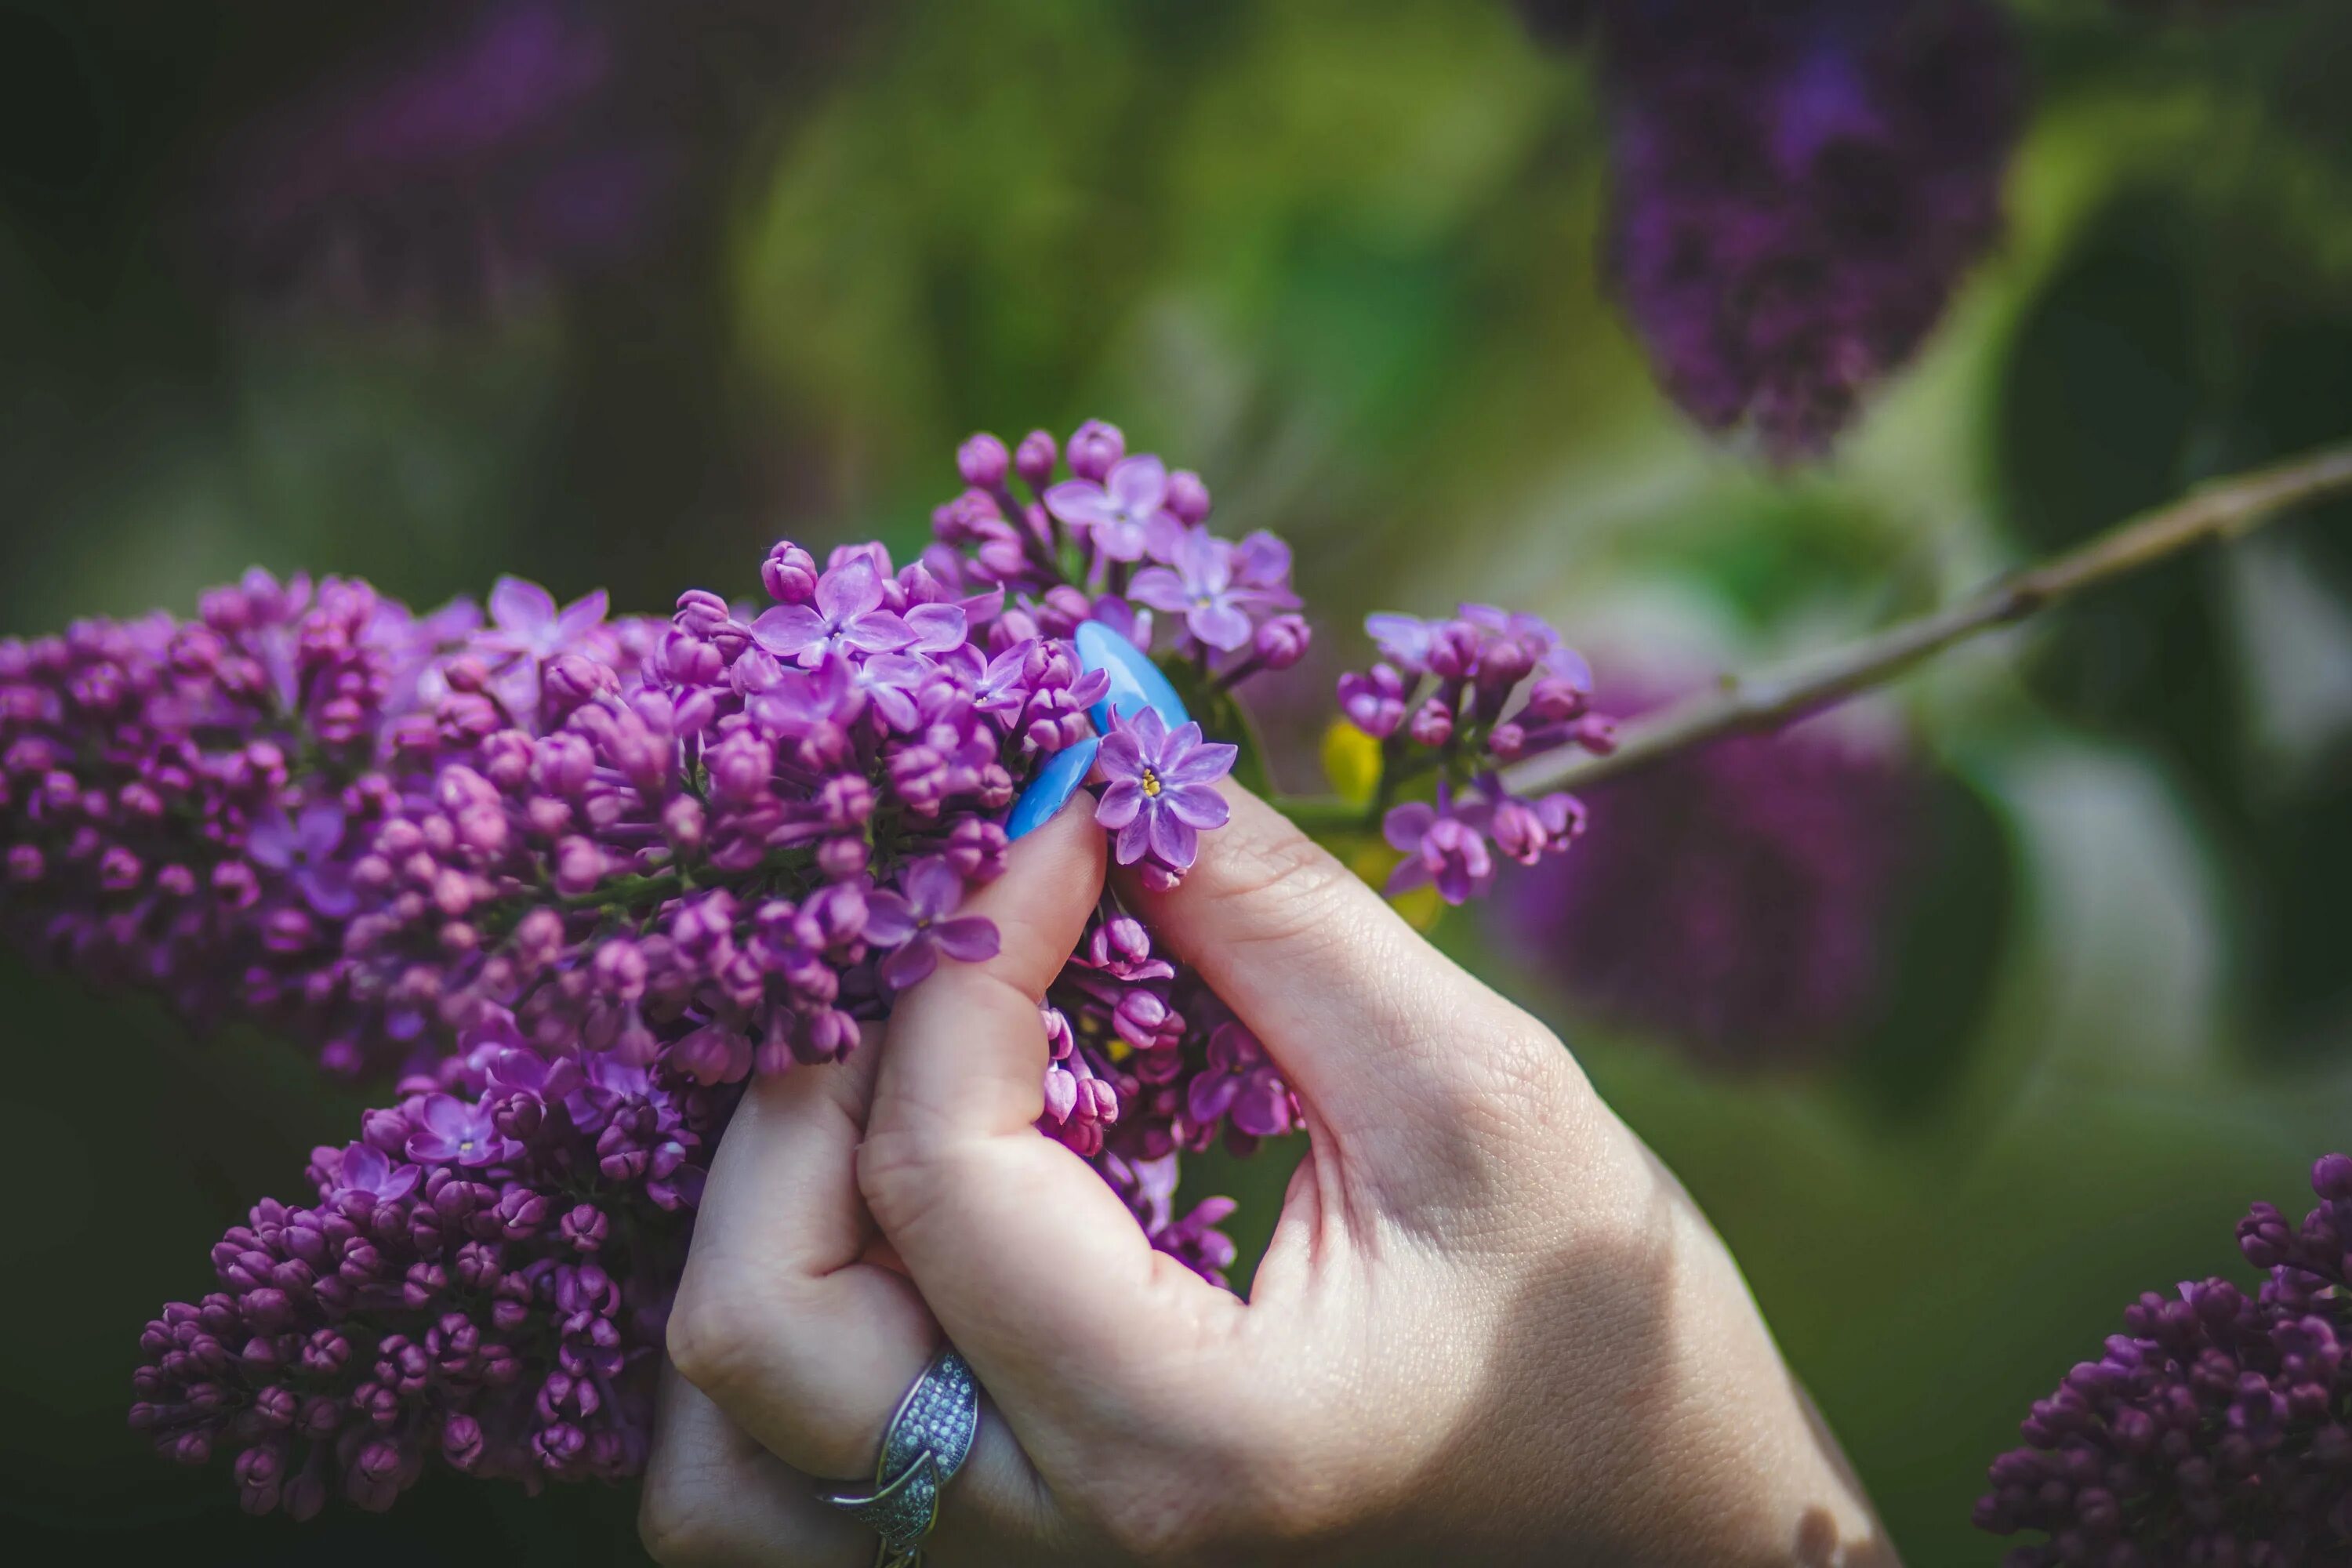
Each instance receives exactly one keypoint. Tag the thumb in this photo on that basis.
(1030, 1262)
(1372, 1026)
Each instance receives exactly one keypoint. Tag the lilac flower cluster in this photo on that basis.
(1743, 900)
(483, 1279)
(184, 802)
(542, 859)
(1798, 189)
(1455, 701)
(2214, 1430)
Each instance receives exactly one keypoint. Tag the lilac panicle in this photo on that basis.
(1798, 189)
(1460, 699)
(574, 878)
(480, 1281)
(2213, 1429)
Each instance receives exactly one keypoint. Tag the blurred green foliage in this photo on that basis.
(1340, 256)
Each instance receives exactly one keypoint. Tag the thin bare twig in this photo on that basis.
(2222, 510)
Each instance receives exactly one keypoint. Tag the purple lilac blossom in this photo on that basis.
(1159, 799)
(463, 156)
(2212, 1430)
(920, 926)
(1798, 189)
(1461, 699)
(1741, 898)
(501, 1318)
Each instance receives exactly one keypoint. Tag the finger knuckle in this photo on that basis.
(902, 1177)
(711, 1333)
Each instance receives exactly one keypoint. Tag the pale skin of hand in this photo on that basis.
(1490, 1327)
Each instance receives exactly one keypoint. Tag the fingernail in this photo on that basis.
(1136, 682)
(1050, 790)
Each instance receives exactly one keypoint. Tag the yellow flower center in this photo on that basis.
(1150, 782)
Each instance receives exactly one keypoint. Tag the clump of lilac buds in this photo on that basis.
(2212, 1430)
(481, 1281)
(1456, 701)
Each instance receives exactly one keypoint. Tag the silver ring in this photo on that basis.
(925, 1445)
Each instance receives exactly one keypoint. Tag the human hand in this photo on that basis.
(1489, 1327)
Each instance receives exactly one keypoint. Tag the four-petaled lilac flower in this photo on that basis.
(848, 614)
(305, 849)
(1443, 843)
(1160, 801)
(920, 923)
(527, 622)
(368, 1171)
(451, 1132)
(1126, 514)
(1198, 584)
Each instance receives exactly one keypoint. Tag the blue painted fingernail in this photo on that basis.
(1050, 790)
(1136, 682)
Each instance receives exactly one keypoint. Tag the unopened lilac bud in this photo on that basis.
(983, 461)
(2331, 1177)
(584, 1228)
(701, 612)
(1282, 641)
(1187, 497)
(571, 682)
(1432, 723)
(579, 867)
(1034, 460)
(844, 856)
(1095, 446)
(683, 824)
(789, 574)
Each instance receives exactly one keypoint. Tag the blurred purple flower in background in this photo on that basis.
(466, 154)
(1798, 189)
(2212, 1431)
(1738, 898)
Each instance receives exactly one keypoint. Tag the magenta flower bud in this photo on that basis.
(983, 461)
(1034, 460)
(1187, 498)
(579, 867)
(712, 1054)
(461, 1441)
(1095, 446)
(703, 613)
(683, 825)
(789, 574)
(1557, 698)
(1432, 723)
(1373, 702)
(843, 858)
(27, 865)
(584, 1228)
(1282, 641)
(690, 661)
(119, 870)
(573, 681)
(2331, 1177)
